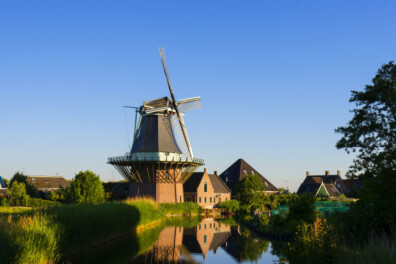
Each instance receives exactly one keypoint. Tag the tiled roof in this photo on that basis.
(238, 170)
(47, 182)
(331, 189)
(308, 187)
(326, 179)
(218, 185)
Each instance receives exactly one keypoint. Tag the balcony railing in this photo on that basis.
(121, 159)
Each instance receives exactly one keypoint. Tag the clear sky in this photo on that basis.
(274, 77)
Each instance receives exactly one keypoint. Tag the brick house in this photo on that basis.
(207, 190)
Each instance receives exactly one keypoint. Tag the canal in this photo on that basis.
(186, 240)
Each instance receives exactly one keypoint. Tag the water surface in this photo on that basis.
(187, 240)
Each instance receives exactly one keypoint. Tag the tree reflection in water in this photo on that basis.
(185, 240)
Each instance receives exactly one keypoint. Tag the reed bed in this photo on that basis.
(180, 209)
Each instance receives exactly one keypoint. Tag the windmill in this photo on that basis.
(161, 158)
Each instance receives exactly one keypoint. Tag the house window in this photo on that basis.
(205, 187)
(245, 171)
(205, 199)
(266, 184)
(199, 199)
(210, 199)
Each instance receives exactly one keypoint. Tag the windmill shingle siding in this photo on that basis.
(238, 170)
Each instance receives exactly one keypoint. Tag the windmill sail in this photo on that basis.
(179, 116)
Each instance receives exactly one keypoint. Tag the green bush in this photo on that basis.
(230, 206)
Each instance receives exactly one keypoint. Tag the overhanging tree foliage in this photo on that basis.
(372, 130)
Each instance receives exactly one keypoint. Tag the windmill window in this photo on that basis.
(206, 187)
(205, 199)
(199, 226)
(205, 226)
(226, 199)
(219, 199)
(199, 199)
(214, 199)
(210, 199)
(210, 226)
(204, 239)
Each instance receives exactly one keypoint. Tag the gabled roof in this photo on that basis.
(218, 185)
(316, 180)
(331, 190)
(47, 182)
(193, 182)
(238, 170)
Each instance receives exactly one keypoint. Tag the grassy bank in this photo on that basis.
(42, 236)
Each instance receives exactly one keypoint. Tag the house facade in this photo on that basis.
(326, 185)
(207, 190)
(239, 170)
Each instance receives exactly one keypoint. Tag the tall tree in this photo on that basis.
(372, 130)
(22, 178)
(250, 189)
(17, 194)
(87, 188)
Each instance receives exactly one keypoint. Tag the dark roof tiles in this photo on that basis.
(238, 170)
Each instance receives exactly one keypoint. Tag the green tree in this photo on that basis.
(17, 194)
(22, 178)
(302, 209)
(372, 130)
(87, 188)
(250, 189)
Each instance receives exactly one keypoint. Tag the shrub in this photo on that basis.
(17, 194)
(230, 206)
(187, 208)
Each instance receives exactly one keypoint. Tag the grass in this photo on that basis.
(14, 210)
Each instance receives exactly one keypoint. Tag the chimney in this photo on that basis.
(339, 173)
(215, 173)
(307, 173)
(327, 173)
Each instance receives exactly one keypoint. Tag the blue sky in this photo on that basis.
(274, 77)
